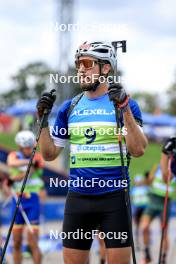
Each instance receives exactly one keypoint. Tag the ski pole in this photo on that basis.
(116, 45)
(165, 211)
(126, 190)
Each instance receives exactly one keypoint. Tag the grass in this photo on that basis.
(8, 140)
(152, 156)
(137, 166)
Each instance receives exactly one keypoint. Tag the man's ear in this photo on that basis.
(106, 68)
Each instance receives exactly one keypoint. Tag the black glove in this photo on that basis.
(118, 95)
(169, 146)
(44, 105)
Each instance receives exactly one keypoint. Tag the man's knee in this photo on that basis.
(120, 261)
(119, 255)
(74, 256)
(33, 244)
(17, 239)
(17, 244)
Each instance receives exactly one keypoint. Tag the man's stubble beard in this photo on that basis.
(88, 84)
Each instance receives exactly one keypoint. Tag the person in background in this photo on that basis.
(140, 199)
(28, 122)
(4, 194)
(18, 162)
(155, 208)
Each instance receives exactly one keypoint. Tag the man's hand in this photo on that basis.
(118, 95)
(169, 146)
(45, 103)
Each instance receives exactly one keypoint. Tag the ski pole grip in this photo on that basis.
(52, 93)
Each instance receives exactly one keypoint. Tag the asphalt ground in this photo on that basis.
(54, 256)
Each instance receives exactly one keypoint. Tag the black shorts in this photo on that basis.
(86, 214)
(155, 207)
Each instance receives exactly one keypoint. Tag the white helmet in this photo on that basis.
(25, 139)
(100, 50)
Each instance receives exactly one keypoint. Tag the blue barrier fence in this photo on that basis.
(53, 210)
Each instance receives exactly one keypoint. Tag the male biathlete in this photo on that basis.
(17, 162)
(97, 202)
(155, 208)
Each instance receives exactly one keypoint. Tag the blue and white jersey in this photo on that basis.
(91, 129)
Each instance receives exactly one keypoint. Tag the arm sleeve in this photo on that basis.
(59, 132)
(136, 112)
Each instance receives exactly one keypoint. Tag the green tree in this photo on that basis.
(146, 101)
(34, 78)
(172, 99)
(29, 82)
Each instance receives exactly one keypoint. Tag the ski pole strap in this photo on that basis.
(124, 106)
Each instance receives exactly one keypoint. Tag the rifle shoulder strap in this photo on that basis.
(74, 102)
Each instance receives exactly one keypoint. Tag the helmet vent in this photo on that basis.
(101, 50)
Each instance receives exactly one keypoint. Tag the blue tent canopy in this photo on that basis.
(159, 120)
(29, 106)
(25, 107)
